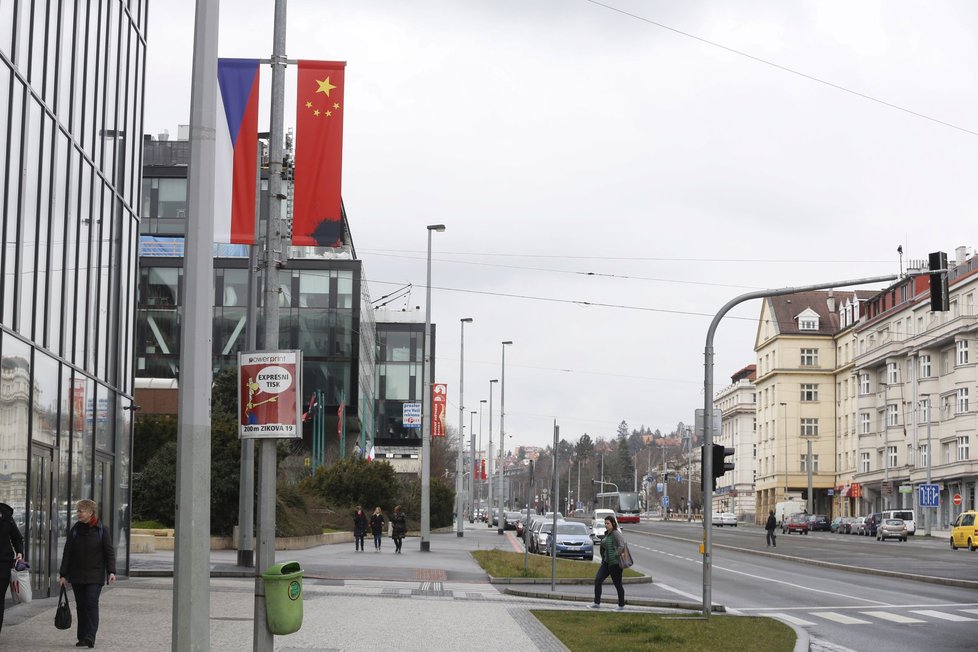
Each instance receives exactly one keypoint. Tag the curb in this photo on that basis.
(645, 579)
(639, 602)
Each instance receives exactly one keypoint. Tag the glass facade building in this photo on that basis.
(71, 123)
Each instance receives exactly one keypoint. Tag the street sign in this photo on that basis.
(679, 478)
(906, 489)
(957, 499)
(887, 489)
(929, 495)
(715, 423)
(665, 501)
(411, 415)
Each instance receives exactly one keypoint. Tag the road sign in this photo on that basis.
(665, 501)
(411, 415)
(957, 499)
(905, 489)
(929, 495)
(679, 478)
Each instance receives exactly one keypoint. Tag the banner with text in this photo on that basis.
(439, 409)
(268, 387)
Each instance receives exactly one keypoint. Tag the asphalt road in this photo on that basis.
(839, 606)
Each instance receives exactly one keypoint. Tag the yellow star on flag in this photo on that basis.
(308, 105)
(324, 86)
(336, 105)
(316, 112)
(329, 113)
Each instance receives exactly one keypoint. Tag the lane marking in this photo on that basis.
(839, 618)
(791, 619)
(892, 617)
(689, 596)
(944, 616)
(970, 611)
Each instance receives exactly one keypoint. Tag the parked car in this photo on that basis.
(724, 518)
(964, 531)
(872, 522)
(835, 524)
(905, 515)
(857, 524)
(538, 542)
(511, 519)
(572, 539)
(795, 523)
(891, 528)
(597, 530)
(819, 523)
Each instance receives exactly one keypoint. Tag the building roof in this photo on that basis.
(824, 303)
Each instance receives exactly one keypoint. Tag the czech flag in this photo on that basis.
(237, 151)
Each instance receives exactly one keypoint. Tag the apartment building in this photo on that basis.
(736, 402)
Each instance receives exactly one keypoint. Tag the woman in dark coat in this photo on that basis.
(398, 528)
(377, 527)
(359, 528)
(87, 564)
(11, 549)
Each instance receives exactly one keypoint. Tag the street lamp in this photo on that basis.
(482, 402)
(472, 467)
(489, 456)
(426, 420)
(460, 528)
(502, 436)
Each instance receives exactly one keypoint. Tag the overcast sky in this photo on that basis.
(560, 138)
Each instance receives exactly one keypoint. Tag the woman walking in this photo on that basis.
(611, 547)
(359, 528)
(377, 527)
(398, 529)
(11, 549)
(87, 564)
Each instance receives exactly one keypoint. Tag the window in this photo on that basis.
(892, 415)
(924, 452)
(925, 366)
(962, 400)
(962, 352)
(924, 407)
(863, 384)
(920, 325)
(864, 422)
(962, 448)
(864, 462)
(804, 463)
(808, 323)
(891, 373)
(945, 407)
(809, 357)
(809, 427)
(891, 456)
(945, 362)
(947, 452)
(809, 392)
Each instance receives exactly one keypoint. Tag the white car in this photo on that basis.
(724, 518)
(597, 530)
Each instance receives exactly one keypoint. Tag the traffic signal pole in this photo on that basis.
(707, 547)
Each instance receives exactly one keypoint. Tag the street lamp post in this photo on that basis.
(426, 419)
(502, 436)
(482, 402)
(472, 467)
(460, 527)
(489, 456)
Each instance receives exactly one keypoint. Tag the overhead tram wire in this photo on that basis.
(792, 71)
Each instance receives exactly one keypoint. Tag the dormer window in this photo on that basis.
(808, 320)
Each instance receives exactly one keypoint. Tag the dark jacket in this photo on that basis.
(612, 546)
(377, 523)
(772, 523)
(359, 524)
(399, 526)
(11, 540)
(86, 558)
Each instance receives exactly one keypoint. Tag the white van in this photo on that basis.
(907, 515)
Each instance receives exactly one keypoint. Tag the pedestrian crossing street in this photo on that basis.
(869, 617)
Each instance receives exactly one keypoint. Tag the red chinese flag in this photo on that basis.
(316, 218)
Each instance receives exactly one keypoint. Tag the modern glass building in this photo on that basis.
(71, 115)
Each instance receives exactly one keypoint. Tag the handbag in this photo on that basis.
(62, 617)
(625, 557)
(20, 582)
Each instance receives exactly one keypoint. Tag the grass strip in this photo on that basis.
(610, 630)
(500, 563)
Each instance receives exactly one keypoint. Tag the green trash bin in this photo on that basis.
(283, 597)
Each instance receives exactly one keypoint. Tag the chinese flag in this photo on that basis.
(316, 219)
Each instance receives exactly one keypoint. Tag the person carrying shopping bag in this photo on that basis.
(11, 549)
(612, 547)
(88, 563)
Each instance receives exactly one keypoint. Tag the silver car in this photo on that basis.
(892, 528)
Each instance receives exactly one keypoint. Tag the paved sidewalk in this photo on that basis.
(440, 600)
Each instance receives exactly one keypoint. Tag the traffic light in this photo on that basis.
(937, 263)
(720, 453)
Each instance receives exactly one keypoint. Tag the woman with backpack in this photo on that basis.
(88, 563)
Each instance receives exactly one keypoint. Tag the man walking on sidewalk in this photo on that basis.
(771, 526)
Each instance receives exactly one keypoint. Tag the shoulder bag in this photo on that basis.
(625, 559)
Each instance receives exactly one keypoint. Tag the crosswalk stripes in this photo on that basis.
(892, 617)
(942, 615)
(791, 619)
(840, 618)
(970, 611)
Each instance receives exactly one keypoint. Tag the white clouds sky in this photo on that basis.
(562, 135)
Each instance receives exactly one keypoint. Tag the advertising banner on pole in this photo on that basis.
(268, 389)
(439, 408)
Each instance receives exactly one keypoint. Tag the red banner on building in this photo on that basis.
(316, 218)
(439, 408)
